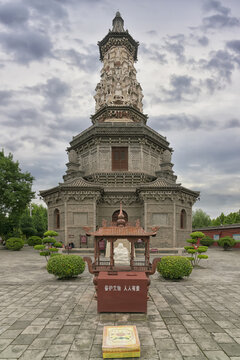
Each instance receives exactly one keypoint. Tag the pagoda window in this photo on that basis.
(120, 158)
(183, 219)
(56, 219)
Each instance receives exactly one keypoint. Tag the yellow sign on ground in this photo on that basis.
(120, 342)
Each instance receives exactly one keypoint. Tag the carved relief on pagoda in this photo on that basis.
(118, 85)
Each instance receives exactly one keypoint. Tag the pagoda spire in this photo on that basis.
(118, 23)
(118, 94)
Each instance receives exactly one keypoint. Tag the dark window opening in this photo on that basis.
(119, 158)
(57, 219)
(183, 219)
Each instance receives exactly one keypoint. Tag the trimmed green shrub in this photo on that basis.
(196, 249)
(45, 253)
(206, 241)
(202, 256)
(34, 240)
(191, 251)
(226, 242)
(202, 249)
(174, 267)
(39, 247)
(197, 235)
(14, 244)
(54, 254)
(50, 233)
(48, 240)
(58, 244)
(188, 247)
(192, 241)
(65, 266)
(53, 250)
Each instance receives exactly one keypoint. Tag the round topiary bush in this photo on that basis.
(34, 240)
(65, 266)
(39, 247)
(50, 233)
(206, 241)
(174, 267)
(226, 242)
(14, 244)
(48, 240)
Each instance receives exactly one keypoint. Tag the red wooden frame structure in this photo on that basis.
(121, 231)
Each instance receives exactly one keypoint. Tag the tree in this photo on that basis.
(15, 192)
(40, 218)
(195, 250)
(35, 223)
(232, 218)
(200, 219)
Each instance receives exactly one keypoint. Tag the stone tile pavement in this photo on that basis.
(42, 318)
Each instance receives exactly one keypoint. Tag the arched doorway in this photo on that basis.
(183, 219)
(115, 216)
(56, 219)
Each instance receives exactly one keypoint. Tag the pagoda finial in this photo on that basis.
(118, 23)
(121, 220)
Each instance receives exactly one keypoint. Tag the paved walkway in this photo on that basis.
(44, 318)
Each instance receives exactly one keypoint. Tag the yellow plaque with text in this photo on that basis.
(120, 342)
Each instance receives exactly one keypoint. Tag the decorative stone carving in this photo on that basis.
(167, 156)
(118, 85)
(72, 156)
(115, 199)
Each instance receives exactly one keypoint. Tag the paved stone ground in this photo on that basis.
(44, 318)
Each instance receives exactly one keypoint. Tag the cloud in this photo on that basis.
(203, 40)
(234, 45)
(183, 121)
(151, 32)
(215, 5)
(53, 91)
(13, 14)
(182, 88)
(221, 19)
(175, 122)
(221, 63)
(153, 52)
(175, 44)
(85, 61)
(5, 96)
(26, 46)
(52, 9)
(232, 123)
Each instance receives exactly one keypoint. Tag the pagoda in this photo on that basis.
(120, 159)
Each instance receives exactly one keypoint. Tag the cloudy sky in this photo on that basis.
(188, 66)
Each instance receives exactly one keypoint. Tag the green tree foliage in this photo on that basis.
(34, 223)
(200, 219)
(232, 218)
(196, 250)
(15, 193)
(49, 246)
(40, 218)
(226, 242)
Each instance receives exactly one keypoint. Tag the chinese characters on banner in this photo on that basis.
(119, 288)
